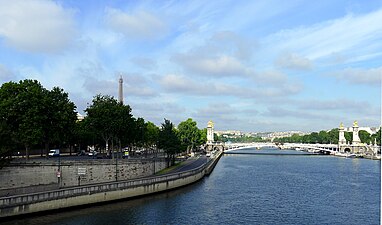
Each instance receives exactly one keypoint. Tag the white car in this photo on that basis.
(93, 153)
(54, 152)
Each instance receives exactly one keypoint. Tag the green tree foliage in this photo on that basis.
(189, 134)
(111, 120)
(60, 118)
(364, 136)
(242, 139)
(168, 140)
(203, 136)
(376, 137)
(139, 132)
(22, 111)
(31, 114)
(7, 145)
(151, 134)
(333, 136)
(348, 136)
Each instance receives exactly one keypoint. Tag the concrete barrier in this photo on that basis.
(96, 193)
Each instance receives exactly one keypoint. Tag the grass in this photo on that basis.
(169, 169)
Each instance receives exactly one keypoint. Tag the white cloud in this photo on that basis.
(349, 34)
(36, 26)
(136, 25)
(183, 85)
(270, 77)
(293, 61)
(371, 76)
(219, 66)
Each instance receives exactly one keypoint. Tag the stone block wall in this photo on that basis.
(31, 176)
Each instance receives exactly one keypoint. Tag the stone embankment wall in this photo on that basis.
(96, 193)
(35, 175)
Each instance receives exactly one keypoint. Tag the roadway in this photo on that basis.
(189, 164)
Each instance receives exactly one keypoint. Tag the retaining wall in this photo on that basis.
(96, 193)
(20, 178)
(88, 194)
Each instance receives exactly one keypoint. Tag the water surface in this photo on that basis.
(252, 189)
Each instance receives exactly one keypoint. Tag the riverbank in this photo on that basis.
(104, 192)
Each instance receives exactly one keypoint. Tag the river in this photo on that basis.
(251, 189)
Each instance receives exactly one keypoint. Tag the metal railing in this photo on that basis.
(16, 200)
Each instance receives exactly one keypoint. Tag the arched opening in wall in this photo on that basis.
(347, 150)
(216, 148)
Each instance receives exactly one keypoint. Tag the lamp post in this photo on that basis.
(116, 167)
(59, 171)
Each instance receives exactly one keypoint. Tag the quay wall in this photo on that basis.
(20, 178)
(103, 192)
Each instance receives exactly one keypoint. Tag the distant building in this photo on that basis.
(80, 117)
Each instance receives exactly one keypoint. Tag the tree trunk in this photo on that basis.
(47, 149)
(26, 152)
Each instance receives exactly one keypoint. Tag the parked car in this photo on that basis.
(93, 153)
(54, 152)
(102, 156)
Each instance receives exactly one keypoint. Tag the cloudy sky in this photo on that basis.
(247, 65)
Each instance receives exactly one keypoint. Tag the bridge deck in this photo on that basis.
(278, 154)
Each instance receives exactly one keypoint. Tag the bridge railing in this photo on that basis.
(93, 188)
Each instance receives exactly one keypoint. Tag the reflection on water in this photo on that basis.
(251, 189)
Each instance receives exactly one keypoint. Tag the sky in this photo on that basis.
(254, 66)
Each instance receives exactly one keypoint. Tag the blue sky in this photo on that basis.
(246, 65)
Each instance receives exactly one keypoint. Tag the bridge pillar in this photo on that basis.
(341, 138)
(356, 139)
(210, 132)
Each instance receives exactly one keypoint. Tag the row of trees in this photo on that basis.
(327, 137)
(242, 139)
(32, 116)
(112, 122)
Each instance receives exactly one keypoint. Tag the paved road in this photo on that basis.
(190, 164)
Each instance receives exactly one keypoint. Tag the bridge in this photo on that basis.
(327, 149)
(258, 145)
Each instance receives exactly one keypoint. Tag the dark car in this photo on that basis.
(102, 156)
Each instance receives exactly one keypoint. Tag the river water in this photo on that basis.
(252, 189)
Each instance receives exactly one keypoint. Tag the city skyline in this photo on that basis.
(252, 66)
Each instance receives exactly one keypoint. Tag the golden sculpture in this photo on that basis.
(355, 124)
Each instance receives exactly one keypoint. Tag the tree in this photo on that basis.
(377, 137)
(110, 120)
(33, 114)
(60, 118)
(348, 136)
(22, 112)
(151, 134)
(169, 141)
(364, 136)
(333, 136)
(202, 136)
(7, 146)
(189, 134)
(323, 137)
